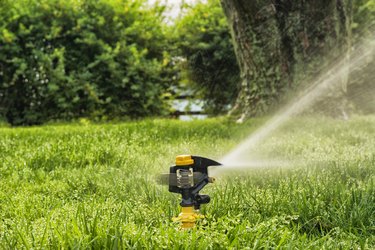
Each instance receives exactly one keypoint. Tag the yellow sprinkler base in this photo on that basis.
(187, 217)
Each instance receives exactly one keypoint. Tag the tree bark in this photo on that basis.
(275, 40)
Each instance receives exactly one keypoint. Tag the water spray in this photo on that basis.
(325, 83)
(188, 177)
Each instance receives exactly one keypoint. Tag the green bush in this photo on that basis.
(363, 18)
(63, 59)
(204, 40)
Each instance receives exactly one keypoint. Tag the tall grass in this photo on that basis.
(93, 186)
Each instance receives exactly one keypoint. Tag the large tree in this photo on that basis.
(277, 40)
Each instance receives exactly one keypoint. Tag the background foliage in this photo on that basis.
(65, 59)
(361, 90)
(60, 60)
(203, 38)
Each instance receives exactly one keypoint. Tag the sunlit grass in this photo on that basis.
(85, 185)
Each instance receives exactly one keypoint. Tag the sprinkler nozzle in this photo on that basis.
(188, 177)
(211, 179)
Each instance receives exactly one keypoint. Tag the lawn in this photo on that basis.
(94, 186)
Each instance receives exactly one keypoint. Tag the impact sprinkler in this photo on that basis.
(188, 177)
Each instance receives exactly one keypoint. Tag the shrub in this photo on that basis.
(63, 59)
(361, 91)
(211, 67)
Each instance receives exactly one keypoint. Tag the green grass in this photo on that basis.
(93, 186)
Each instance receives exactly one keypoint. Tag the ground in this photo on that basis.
(93, 185)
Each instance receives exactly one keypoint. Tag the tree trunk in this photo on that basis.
(277, 40)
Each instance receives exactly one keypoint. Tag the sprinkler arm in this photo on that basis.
(199, 166)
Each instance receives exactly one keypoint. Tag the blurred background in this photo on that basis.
(123, 59)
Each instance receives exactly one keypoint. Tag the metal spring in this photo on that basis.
(185, 178)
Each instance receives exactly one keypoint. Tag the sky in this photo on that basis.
(174, 6)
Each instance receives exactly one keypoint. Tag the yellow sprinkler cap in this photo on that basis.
(184, 160)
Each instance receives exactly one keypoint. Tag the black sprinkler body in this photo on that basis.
(188, 177)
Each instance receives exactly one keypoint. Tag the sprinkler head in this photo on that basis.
(188, 177)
